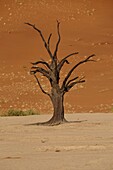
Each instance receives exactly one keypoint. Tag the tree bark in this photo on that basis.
(57, 99)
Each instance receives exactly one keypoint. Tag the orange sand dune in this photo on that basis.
(86, 26)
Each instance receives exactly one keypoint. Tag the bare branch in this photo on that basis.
(40, 70)
(64, 60)
(71, 71)
(42, 62)
(48, 42)
(43, 39)
(71, 80)
(74, 83)
(70, 85)
(40, 85)
(59, 38)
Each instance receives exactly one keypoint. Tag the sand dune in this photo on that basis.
(86, 26)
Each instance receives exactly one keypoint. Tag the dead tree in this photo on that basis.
(52, 72)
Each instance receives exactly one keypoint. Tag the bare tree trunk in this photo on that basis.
(57, 99)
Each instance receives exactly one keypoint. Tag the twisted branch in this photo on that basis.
(72, 83)
(59, 38)
(48, 42)
(64, 60)
(40, 85)
(42, 62)
(43, 39)
(78, 64)
(71, 80)
(40, 70)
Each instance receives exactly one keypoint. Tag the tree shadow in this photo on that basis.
(55, 124)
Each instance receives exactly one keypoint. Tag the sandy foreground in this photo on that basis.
(84, 145)
(86, 27)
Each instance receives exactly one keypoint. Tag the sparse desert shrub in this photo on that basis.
(13, 112)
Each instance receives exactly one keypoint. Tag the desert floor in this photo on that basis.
(84, 145)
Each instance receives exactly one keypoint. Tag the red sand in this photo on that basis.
(86, 26)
